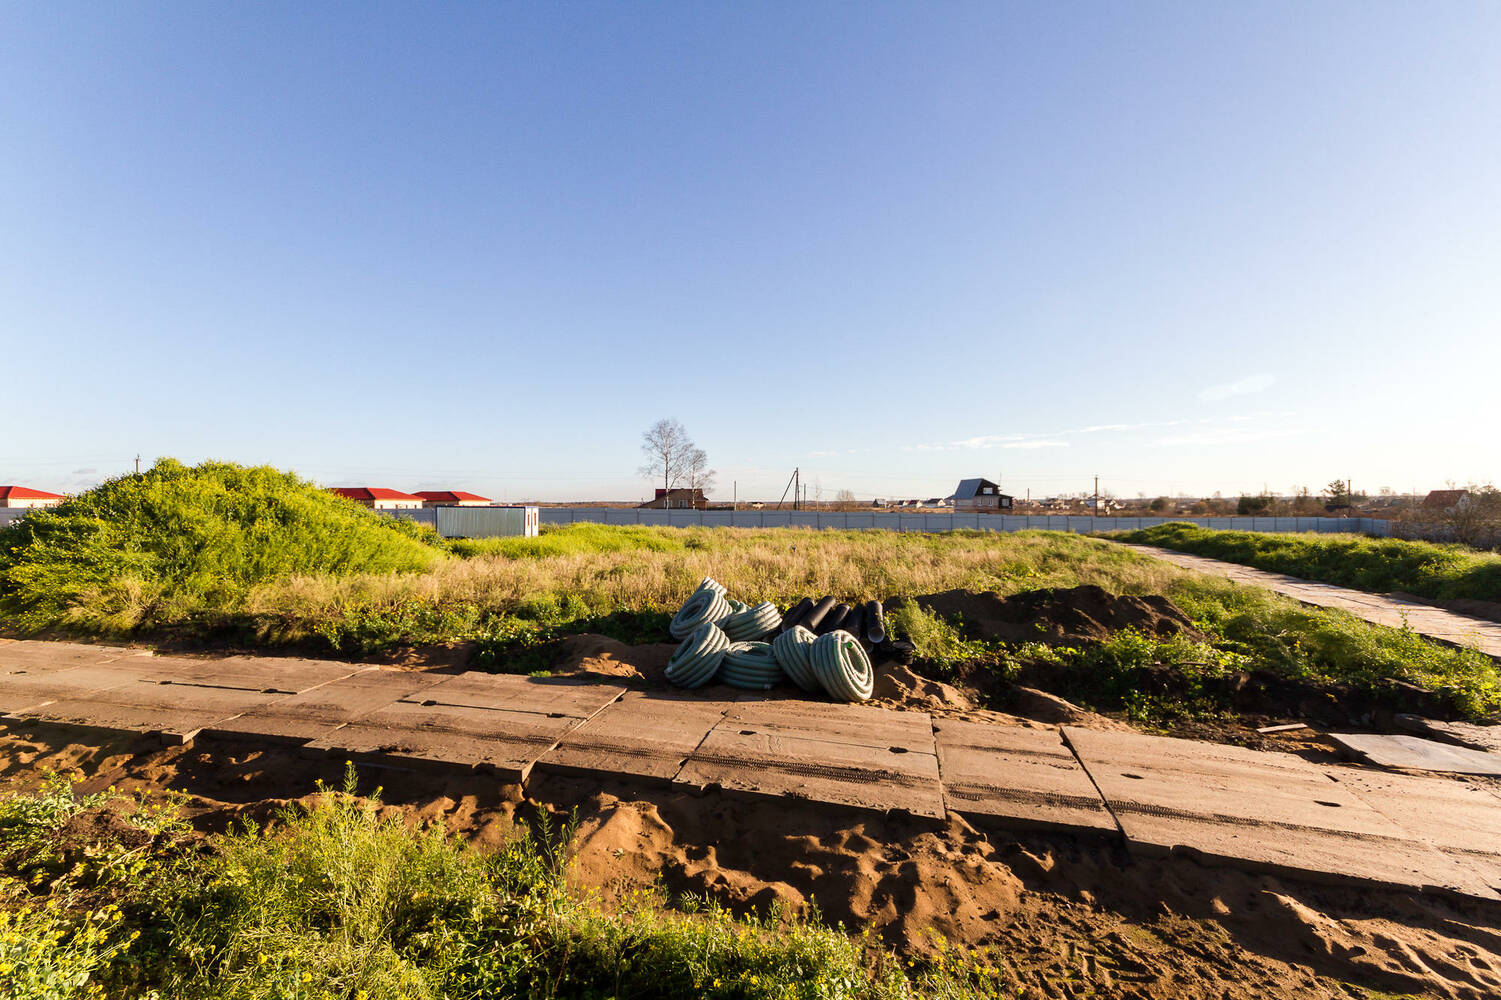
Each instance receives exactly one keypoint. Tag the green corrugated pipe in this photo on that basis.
(705, 606)
(842, 667)
(794, 651)
(750, 665)
(752, 623)
(694, 663)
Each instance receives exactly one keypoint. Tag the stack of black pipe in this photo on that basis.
(865, 622)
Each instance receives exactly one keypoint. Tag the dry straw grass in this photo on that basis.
(778, 564)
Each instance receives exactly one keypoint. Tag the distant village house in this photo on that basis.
(453, 498)
(684, 499)
(377, 498)
(980, 495)
(25, 498)
(1445, 500)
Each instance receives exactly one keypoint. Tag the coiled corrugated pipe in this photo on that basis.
(695, 662)
(752, 623)
(751, 666)
(705, 606)
(842, 667)
(794, 651)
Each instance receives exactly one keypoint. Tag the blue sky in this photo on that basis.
(1187, 247)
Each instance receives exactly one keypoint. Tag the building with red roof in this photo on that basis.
(26, 498)
(378, 498)
(453, 498)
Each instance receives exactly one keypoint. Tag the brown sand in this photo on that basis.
(1068, 616)
(1068, 916)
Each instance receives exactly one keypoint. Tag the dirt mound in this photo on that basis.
(1061, 616)
(1063, 917)
(897, 686)
(589, 655)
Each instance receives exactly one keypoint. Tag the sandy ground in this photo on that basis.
(1068, 917)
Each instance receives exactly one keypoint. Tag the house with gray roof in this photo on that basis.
(980, 495)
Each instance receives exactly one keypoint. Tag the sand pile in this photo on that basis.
(1064, 616)
(589, 655)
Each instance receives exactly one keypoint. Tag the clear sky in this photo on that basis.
(1187, 247)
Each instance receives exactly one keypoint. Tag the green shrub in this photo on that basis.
(343, 900)
(1379, 565)
(155, 548)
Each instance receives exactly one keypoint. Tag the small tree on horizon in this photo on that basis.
(673, 459)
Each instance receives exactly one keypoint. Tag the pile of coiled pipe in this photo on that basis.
(699, 658)
(706, 606)
(750, 666)
(752, 623)
(842, 668)
(794, 651)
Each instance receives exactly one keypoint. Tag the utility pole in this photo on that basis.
(797, 486)
(1096, 496)
(138, 465)
(734, 494)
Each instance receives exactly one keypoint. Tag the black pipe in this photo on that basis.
(875, 623)
(796, 613)
(816, 616)
(854, 622)
(835, 620)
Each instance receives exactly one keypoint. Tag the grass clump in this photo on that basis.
(339, 900)
(175, 543)
(1378, 565)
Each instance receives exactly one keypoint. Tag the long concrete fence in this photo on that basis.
(483, 522)
(893, 521)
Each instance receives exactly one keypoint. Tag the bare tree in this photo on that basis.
(673, 459)
(696, 472)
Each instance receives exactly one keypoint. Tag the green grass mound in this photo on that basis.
(1378, 565)
(153, 549)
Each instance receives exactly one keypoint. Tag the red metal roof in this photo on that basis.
(451, 496)
(371, 493)
(27, 493)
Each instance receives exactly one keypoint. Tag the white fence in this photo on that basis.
(858, 521)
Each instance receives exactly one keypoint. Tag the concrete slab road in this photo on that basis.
(1417, 754)
(867, 758)
(645, 735)
(1263, 811)
(1461, 819)
(1017, 777)
(315, 713)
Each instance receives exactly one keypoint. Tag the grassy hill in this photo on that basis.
(151, 549)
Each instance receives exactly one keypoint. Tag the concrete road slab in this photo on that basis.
(20, 691)
(505, 742)
(313, 714)
(31, 657)
(1017, 777)
(879, 778)
(645, 735)
(1468, 734)
(831, 722)
(540, 695)
(1461, 819)
(272, 674)
(1417, 754)
(1262, 811)
(176, 713)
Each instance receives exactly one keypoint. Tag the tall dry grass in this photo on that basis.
(777, 564)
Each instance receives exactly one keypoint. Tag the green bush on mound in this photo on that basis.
(153, 548)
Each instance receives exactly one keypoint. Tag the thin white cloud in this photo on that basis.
(1227, 435)
(1240, 387)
